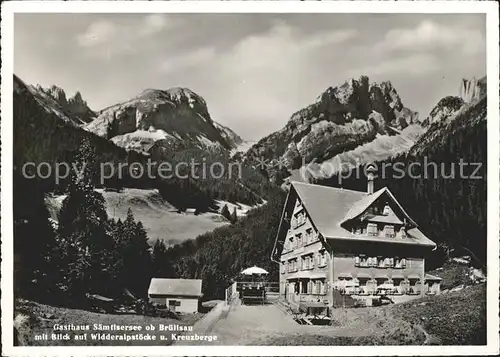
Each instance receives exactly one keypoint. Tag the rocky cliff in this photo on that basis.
(176, 115)
(342, 118)
(469, 109)
(472, 89)
(74, 109)
(444, 110)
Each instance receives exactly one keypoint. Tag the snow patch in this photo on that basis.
(205, 141)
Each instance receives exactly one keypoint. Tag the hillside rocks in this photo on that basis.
(452, 113)
(342, 118)
(176, 114)
(444, 110)
(75, 108)
(472, 89)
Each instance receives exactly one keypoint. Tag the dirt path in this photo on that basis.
(256, 324)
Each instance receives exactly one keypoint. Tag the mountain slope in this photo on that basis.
(342, 118)
(467, 110)
(74, 109)
(447, 199)
(44, 133)
(174, 115)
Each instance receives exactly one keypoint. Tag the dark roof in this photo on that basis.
(329, 207)
(176, 287)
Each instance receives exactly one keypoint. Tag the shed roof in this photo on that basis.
(175, 287)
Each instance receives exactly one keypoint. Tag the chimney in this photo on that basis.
(370, 176)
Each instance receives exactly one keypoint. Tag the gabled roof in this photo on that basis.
(363, 204)
(176, 287)
(329, 207)
(390, 219)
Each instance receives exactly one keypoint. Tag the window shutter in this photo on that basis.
(356, 261)
(403, 263)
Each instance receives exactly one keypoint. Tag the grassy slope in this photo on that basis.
(457, 318)
(159, 217)
(41, 318)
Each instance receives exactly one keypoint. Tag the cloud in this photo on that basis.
(188, 59)
(97, 33)
(154, 23)
(106, 38)
(257, 78)
(429, 36)
(413, 65)
(281, 47)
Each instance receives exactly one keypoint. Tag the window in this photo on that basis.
(381, 263)
(371, 229)
(388, 262)
(309, 237)
(172, 303)
(309, 287)
(389, 231)
(387, 210)
(363, 261)
(299, 240)
(403, 263)
(321, 259)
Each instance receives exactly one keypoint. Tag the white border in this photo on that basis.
(488, 7)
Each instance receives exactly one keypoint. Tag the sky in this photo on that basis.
(253, 70)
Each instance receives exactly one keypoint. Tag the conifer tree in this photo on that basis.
(134, 250)
(225, 212)
(234, 216)
(87, 247)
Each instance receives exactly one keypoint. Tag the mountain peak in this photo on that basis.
(57, 93)
(343, 117)
(176, 114)
(472, 89)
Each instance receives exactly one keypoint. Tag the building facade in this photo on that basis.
(361, 244)
(179, 295)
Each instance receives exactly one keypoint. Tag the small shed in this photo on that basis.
(180, 295)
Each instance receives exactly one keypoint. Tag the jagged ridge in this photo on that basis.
(162, 117)
(342, 118)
